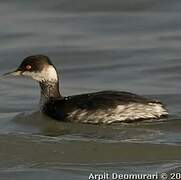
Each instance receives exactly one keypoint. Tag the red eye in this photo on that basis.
(28, 67)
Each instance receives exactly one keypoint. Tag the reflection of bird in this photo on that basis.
(99, 107)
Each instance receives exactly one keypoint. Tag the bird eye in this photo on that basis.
(28, 67)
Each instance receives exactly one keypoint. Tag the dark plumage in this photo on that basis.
(60, 108)
(99, 107)
(36, 62)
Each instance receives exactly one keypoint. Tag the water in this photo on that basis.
(95, 45)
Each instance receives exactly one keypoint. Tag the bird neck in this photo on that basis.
(49, 90)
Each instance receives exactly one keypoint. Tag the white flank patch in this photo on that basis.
(127, 112)
(47, 74)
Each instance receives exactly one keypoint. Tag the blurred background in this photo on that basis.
(130, 45)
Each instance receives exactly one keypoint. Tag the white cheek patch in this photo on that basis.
(47, 74)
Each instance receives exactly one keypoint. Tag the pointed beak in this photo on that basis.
(13, 73)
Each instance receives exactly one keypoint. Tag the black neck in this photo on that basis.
(49, 90)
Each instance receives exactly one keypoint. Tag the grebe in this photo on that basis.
(100, 107)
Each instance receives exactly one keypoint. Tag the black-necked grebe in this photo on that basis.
(99, 107)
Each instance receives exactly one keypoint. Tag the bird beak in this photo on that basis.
(13, 73)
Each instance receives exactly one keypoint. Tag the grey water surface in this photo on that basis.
(96, 45)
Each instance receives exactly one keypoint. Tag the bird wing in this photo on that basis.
(104, 100)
